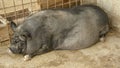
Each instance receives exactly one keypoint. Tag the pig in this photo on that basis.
(59, 29)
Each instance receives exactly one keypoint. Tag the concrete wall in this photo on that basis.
(112, 7)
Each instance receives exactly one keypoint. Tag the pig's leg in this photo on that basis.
(102, 38)
(30, 50)
(103, 33)
(44, 49)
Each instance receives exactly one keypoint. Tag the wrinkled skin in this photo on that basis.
(20, 44)
(74, 28)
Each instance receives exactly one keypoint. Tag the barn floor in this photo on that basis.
(101, 55)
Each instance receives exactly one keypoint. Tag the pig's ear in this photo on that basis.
(25, 36)
(13, 25)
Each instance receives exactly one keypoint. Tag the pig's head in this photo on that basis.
(18, 41)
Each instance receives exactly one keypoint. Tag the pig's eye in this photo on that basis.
(16, 41)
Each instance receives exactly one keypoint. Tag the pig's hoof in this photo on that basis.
(102, 39)
(27, 57)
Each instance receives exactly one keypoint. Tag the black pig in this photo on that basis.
(65, 29)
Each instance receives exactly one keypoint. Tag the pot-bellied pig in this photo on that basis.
(63, 29)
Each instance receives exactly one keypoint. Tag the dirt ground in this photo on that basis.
(102, 55)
